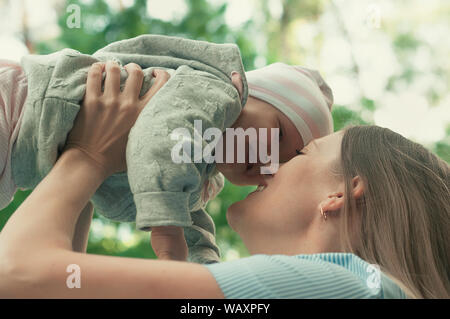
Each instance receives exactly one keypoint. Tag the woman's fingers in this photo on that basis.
(112, 81)
(133, 83)
(94, 79)
(102, 126)
(161, 78)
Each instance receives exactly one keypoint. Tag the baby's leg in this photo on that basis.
(200, 238)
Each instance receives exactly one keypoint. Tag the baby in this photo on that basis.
(41, 104)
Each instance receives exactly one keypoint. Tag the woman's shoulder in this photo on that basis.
(377, 282)
(324, 275)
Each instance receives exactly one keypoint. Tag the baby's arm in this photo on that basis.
(168, 242)
(163, 188)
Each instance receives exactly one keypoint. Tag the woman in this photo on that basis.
(352, 199)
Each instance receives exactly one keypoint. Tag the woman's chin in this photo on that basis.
(235, 212)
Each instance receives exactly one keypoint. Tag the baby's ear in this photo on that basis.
(236, 79)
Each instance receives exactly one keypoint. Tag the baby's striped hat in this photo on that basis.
(300, 93)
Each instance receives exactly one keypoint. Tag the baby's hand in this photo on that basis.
(168, 243)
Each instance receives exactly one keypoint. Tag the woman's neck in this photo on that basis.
(320, 237)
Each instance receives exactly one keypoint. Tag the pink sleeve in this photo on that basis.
(13, 92)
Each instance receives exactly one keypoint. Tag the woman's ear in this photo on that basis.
(358, 187)
(336, 201)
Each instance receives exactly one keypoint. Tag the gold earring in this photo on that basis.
(324, 214)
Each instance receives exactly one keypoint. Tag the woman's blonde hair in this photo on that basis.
(403, 218)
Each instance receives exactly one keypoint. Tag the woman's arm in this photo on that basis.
(34, 260)
(38, 269)
(81, 236)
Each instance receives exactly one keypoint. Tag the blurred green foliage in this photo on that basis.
(102, 25)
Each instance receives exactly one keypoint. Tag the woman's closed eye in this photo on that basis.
(299, 152)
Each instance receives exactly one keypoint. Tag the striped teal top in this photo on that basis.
(325, 275)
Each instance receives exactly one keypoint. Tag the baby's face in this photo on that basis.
(259, 114)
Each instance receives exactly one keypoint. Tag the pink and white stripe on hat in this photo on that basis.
(300, 93)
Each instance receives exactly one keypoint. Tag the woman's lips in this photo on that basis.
(260, 188)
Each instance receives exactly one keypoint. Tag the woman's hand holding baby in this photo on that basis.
(101, 132)
(103, 123)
